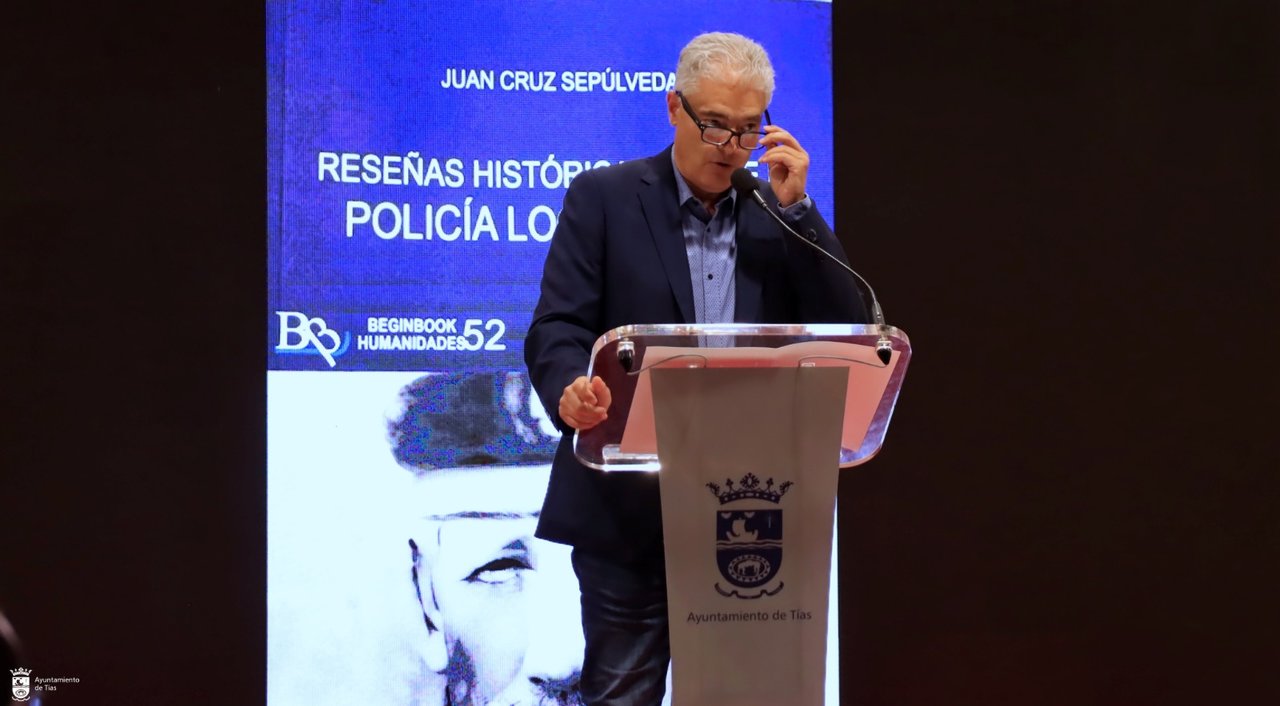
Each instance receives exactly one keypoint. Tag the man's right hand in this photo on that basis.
(585, 403)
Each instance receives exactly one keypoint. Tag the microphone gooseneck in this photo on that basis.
(744, 182)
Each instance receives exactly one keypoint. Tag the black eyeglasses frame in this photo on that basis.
(734, 135)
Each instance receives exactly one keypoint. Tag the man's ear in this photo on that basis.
(434, 650)
(673, 107)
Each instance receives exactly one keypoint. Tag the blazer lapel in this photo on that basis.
(662, 215)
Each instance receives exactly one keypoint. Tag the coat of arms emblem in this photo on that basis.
(21, 684)
(749, 536)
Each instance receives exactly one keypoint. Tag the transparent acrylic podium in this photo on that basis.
(873, 386)
(748, 426)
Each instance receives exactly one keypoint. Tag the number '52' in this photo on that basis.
(475, 339)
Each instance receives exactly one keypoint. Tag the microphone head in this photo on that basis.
(884, 349)
(626, 354)
(744, 182)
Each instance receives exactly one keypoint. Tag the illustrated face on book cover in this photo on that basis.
(501, 608)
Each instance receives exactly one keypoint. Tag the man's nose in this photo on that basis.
(554, 657)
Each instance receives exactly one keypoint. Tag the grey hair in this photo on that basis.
(714, 54)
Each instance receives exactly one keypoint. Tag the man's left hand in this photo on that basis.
(788, 165)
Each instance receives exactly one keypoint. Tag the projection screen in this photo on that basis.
(418, 154)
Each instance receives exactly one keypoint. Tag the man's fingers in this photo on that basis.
(583, 422)
(602, 394)
(777, 136)
(582, 388)
(585, 403)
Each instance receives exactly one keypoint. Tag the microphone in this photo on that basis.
(744, 182)
(626, 354)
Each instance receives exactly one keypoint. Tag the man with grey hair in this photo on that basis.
(665, 240)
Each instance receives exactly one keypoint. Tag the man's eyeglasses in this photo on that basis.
(715, 135)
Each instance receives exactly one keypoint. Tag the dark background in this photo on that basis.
(1068, 206)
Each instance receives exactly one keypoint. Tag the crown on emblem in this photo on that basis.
(20, 672)
(749, 487)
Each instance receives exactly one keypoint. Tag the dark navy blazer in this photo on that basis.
(618, 258)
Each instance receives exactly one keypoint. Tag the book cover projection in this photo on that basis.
(418, 156)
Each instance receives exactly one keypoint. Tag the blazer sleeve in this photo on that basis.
(825, 292)
(567, 318)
